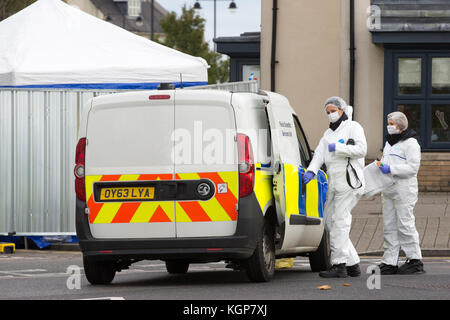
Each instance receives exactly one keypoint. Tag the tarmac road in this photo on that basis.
(43, 275)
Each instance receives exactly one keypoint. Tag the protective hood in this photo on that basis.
(341, 104)
(349, 112)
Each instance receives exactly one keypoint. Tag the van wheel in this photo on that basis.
(177, 267)
(260, 266)
(99, 272)
(320, 260)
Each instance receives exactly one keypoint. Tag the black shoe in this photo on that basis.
(336, 271)
(413, 266)
(387, 269)
(354, 271)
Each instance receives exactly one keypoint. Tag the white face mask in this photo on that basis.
(334, 116)
(392, 130)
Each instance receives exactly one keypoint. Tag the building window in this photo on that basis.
(134, 8)
(413, 112)
(420, 88)
(409, 75)
(440, 114)
(440, 75)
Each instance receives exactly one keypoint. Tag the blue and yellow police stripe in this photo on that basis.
(312, 202)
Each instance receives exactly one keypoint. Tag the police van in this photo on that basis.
(195, 176)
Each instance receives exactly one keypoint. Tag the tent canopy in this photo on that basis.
(50, 44)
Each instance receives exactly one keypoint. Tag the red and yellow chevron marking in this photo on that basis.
(222, 207)
(128, 212)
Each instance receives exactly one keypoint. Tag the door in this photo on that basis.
(129, 169)
(313, 195)
(285, 155)
(205, 155)
(291, 155)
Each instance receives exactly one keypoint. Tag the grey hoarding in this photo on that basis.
(38, 135)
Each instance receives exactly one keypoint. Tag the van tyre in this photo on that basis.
(260, 267)
(99, 272)
(177, 267)
(320, 260)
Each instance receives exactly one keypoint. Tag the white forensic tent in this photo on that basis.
(52, 44)
(53, 58)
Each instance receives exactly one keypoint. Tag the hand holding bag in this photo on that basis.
(352, 177)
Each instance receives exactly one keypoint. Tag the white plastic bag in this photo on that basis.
(376, 181)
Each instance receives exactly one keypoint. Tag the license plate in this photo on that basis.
(127, 193)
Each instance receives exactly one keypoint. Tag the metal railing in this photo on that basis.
(242, 86)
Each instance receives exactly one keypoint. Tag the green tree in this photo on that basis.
(186, 34)
(9, 7)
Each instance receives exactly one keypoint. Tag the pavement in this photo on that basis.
(432, 213)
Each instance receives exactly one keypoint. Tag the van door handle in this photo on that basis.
(170, 189)
(277, 167)
(303, 186)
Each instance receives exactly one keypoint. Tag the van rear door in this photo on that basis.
(129, 170)
(205, 154)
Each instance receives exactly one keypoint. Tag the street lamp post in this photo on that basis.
(152, 32)
(231, 7)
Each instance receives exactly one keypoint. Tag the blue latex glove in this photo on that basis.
(308, 176)
(385, 168)
(332, 147)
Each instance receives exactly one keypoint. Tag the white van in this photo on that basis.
(193, 176)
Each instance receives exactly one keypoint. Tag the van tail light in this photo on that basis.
(80, 185)
(246, 166)
(159, 97)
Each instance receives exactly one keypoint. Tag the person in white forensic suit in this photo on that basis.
(401, 159)
(342, 149)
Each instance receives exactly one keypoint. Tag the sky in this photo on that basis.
(247, 17)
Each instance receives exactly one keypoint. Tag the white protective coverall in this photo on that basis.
(399, 201)
(341, 198)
